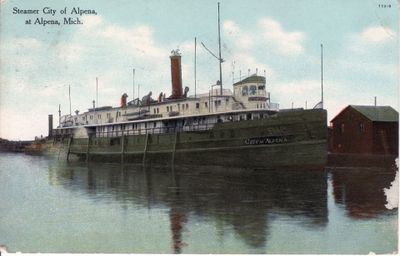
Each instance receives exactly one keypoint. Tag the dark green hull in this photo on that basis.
(296, 138)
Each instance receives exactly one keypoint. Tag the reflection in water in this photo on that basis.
(177, 219)
(47, 206)
(242, 201)
(361, 190)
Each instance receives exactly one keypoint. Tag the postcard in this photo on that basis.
(199, 127)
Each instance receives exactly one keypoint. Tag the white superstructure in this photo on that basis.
(246, 96)
(249, 96)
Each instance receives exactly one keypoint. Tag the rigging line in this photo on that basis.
(210, 51)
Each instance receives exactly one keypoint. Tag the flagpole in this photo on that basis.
(97, 92)
(322, 76)
(219, 47)
(69, 96)
(133, 84)
(195, 67)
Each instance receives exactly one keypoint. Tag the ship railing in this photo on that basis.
(155, 130)
(273, 106)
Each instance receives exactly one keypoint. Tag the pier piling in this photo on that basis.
(122, 146)
(69, 147)
(87, 149)
(174, 148)
(145, 148)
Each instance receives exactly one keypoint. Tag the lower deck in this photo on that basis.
(292, 138)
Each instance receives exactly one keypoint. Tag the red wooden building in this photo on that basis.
(365, 130)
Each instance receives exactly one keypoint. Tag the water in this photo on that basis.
(50, 206)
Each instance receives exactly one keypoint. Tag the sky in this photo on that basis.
(282, 38)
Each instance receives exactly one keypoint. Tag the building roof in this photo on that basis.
(375, 113)
(378, 113)
(251, 79)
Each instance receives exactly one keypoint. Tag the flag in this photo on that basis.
(319, 105)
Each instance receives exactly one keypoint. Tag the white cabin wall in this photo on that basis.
(242, 93)
(80, 133)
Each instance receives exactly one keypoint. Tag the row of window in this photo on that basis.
(196, 121)
(216, 103)
(251, 90)
(185, 106)
(125, 127)
(99, 116)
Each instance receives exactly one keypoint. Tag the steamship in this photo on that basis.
(239, 127)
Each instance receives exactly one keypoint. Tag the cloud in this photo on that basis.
(298, 87)
(186, 48)
(15, 84)
(18, 51)
(26, 43)
(233, 33)
(68, 52)
(296, 92)
(361, 66)
(286, 43)
(369, 54)
(241, 59)
(244, 61)
(299, 92)
(377, 34)
(33, 59)
(371, 39)
(91, 21)
(49, 92)
(230, 27)
(122, 49)
(139, 40)
(31, 119)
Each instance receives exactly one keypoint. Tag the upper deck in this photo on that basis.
(249, 94)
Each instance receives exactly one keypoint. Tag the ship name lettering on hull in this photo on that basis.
(266, 140)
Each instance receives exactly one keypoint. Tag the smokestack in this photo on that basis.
(50, 126)
(176, 74)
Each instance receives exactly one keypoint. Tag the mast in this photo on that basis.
(59, 114)
(322, 76)
(233, 72)
(133, 84)
(97, 92)
(69, 96)
(195, 62)
(138, 90)
(219, 47)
